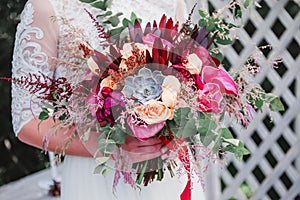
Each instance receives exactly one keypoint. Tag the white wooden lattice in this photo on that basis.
(272, 171)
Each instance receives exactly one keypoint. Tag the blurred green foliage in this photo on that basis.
(16, 159)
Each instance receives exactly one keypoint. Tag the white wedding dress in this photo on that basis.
(38, 40)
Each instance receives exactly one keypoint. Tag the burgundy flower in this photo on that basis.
(102, 102)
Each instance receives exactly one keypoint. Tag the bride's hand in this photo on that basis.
(138, 151)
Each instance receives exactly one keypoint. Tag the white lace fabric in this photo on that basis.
(35, 42)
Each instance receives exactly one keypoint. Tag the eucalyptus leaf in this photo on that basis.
(116, 31)
(225, 133)
(99, 169)
(202, 13)
(217, 145)
(44, 115)
(246, 3)
(101, 160)
(185, 122)
(181, 115)
(118, 134)
(206, 129)
(106, 146)
(114, 21)
(100, 5)
(276, 105)
(105, 171)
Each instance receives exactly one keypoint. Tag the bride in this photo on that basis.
(39, 40)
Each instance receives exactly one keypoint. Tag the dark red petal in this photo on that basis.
(162, 23)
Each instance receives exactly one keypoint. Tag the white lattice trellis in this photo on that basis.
(272, 171)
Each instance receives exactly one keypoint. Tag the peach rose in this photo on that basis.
(108, 82)
(194, 64)
(153, 112)
(170, 90)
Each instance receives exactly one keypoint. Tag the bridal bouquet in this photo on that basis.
(163, 80)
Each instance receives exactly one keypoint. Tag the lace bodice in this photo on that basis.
(41, 41)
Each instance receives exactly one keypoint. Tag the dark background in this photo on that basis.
(16, 159)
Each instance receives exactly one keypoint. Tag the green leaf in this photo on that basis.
(246, 3)
(202, 23)
(219, 56)
(185, 123)
(100, 5)
(116, 31)
(217, 145)
(202, 13)
(125, 22)
(62, 117)
(105, 172)
(106, 146)
(246, 190)
(211, 28)
(225, 41)
(276, 105)
(99, 169)
(133, 18)
(114, 21)
(181, 115)
(259, 103)
(44, 115)
(206, 129)
(101, 160)
(118, 134)
(239, 13)
(225, 133)
(106, 14)
(45, 110)
(238, 151)
(189, 128)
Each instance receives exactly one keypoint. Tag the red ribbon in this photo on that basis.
(174, 144)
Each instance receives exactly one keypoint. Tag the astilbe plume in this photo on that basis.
(102, 33)
(44, 87)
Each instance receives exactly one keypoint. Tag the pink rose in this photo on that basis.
(210, 98)
(143, 132)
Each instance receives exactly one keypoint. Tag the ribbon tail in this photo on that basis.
(184, 158)
(186, 194)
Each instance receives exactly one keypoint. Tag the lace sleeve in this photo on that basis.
(36, 41)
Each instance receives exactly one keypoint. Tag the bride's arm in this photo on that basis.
(36, 42)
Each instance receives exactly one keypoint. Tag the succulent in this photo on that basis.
(144, 86)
